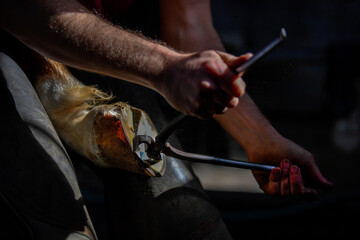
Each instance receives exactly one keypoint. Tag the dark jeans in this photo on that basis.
(39, 193)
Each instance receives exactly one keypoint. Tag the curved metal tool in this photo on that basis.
(156, 147)
(194, 157)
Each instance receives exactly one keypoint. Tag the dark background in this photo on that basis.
(309, 89)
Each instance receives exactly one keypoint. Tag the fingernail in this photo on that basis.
(276, 171)
(233, 102)
(249, 55)
(285, 164)
(241, 85)
(207, 85)
(294, 170)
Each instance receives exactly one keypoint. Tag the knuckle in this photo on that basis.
(242, 88)
(309, 156)
(211, 54)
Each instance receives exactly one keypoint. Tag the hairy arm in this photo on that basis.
(67, 32)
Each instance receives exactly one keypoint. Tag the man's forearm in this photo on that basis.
(246, 124)
(187, 25)
(67, 32)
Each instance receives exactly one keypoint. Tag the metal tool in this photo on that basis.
(259, 55)
(155, 147)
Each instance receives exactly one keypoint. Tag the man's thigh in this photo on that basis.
(38, 186)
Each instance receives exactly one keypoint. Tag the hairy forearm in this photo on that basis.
(113, 51)
(67, 32)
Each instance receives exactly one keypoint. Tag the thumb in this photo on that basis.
(272, 185)
(322, 182)
(317, 178)
(232, 61)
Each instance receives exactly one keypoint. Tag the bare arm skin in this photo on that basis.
(67, 32)
(262, 143)
(187, 25)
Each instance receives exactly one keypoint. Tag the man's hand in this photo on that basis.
(203, 84)
(297, 174)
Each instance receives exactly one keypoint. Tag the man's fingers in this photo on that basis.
(286, 181)
(298, 190)
(208, 86)
(318, 180)
(211, 91)
(273, 187)
(214, 108)
(241, 60)
(296, 181)
(225, 100)
(208, 104)
(231, 83)
(285, 185)
(233, 61)
(226, 78)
